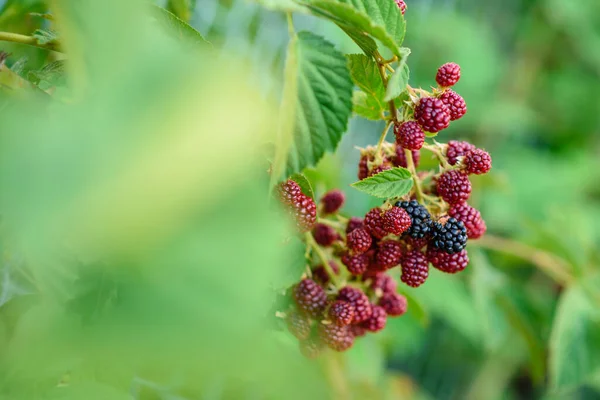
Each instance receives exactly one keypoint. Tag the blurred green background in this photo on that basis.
(122, 203)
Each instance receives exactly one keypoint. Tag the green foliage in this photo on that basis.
(369, 102)
(398, 81)
(395, 182)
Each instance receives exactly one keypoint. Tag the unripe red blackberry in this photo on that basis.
(383, 282)
(394, 304)
(469, 216)
(332, 201)
(341, 312)
(376, 321)
(305, 212)
(289, 191)
(356, 264)
(454, 187)
(415, 244)
(357, 330)
(478, 162)
(363, 166)
(415, 268)
(299, 325)
(336, 337)
(311, 348)
(374, 223)
(409, 135)
(388, 255)
(455, 103)
(432, 114)
(320, 274)
(359, 241)
(380, 168)
(402, 5)
(310, 298)
(448, 74)
(400, 159)
(457, 149)
(449, 236)
(360, 301)
(354, 223)
(396, 221)
(449, 263)
(324, 235)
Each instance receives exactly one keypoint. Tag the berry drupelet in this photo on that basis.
(449, 263)
(332, 201)
(374, 223)
(420, 219)
(376, 321)
(359, 241)
(432, 114)
(341, 312)
(356, 264)
(415, 268)
(360, 301)
(396, 221)
(388, 255)
(450, 237)
(409, 135)
(324, 235)
(448, 74)
(310, 298)
(394, 304)
(478, 162)
(455, 103)
(469, 216)
(457, 149)
(454, 187)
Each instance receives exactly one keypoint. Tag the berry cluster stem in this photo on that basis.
(410, 163)
(382, 139)
(27, 40)
(314, 246)
(438, 154)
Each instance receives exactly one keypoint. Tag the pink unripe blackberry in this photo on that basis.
(457, 149)
(394, 304)
(336, 337)
(359, 241)
(380, 168)
(332, 201)
(356, 264)
(357, 330)
(383, 282)
(310, 298)
(470, 217)
(388, 255)
(289, 191)
(354, 223)
(449, 263)
(448, 74)
(415, 268)
(396, 221)
(402, 5)
(299, 325)
(374, 223)
(400, 159)
(320, 274)
(432, 114)
(455, 103)
(478, 162)
(409, 135)
(305, 212)
(311, 348)
(416, 243)
(324, 235)
(360, 301)
(363, 166)
(341, 312)
(454, 187)
(376, 321)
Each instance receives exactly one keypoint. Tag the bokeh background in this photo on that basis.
(139, 252)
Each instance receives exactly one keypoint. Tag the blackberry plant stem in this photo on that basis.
(310, 242)
(27, 40)
(413, 171)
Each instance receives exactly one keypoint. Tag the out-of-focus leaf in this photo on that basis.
(399, 80)
(52, 74)
(181, 29)
(370, 101)
(366, 361)
(304, 184)
(395, 182)
(366, 106)
(282, 5)
(182, 8)
(324, 102)
(44, 36)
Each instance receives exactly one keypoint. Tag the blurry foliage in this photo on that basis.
(131, 266)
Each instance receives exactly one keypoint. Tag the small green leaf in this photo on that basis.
(379, 19)
(52, 74)
(182, 8)
(179, 27)
(304, 184)
(398, 81)
(324, 101)
(365, 74)
(394, 182)
(366, 106)
(365, 42)
(44, 36)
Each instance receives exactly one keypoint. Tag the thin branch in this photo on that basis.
(26, 40)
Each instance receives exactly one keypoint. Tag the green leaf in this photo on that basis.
(323, 104)
(366, 43)
(398, 81)
(379, 19)
(394, 182)
(182, 8)
(52, 74)
(304, 184)
(366, 106)
(574, 350)
(179, 27)
(365, 74)
(44, 36)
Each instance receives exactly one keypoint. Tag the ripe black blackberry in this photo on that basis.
(420, 219)
(341, 312)
(310, 298)
(396, 221)
(336, 337)
(455, 103)
(356, 264)
(450, 237)
(359, 241)
(332, 201)
(448, 74)
(454, 187)
(449, 263)
(394, 304)
(409, 135)
(415, 268)
(360, 301)
(299, 325)
(432, 114)
(388, 255)
(376, 321)
(324, 235)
